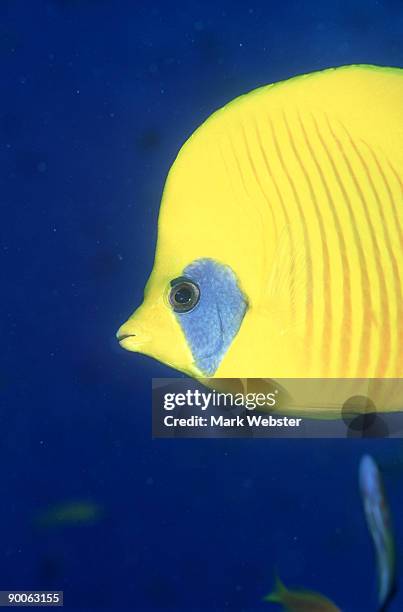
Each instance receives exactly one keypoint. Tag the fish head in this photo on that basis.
(202, 286)
(188, 320)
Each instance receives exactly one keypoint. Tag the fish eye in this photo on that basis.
(184, 294)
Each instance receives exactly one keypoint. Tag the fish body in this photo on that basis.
(379, 524)
(280, 236)
(300, 600)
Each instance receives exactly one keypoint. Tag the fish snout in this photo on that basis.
(131, 338)
(154, 331)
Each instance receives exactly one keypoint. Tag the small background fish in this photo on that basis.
(70, 513)
(300, 600)
(379, 522)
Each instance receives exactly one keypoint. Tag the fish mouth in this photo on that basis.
(131, 342)
(126, 341)
(121, 337)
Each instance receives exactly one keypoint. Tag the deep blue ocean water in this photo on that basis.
(96, 99)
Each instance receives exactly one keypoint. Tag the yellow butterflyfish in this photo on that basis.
(280, 236)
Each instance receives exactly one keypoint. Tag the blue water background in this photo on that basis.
(96, 99)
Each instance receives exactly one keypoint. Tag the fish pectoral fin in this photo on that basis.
(288, 287)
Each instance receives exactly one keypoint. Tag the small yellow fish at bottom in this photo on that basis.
(299, 600)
